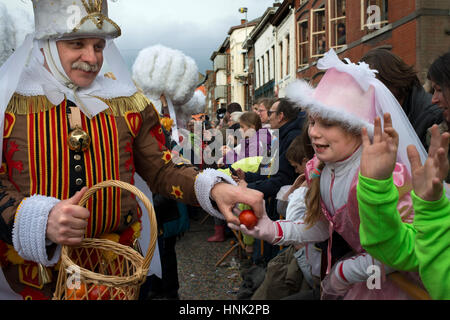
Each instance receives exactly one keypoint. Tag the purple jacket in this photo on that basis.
(257, 145)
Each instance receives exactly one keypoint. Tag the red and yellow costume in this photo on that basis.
(126, 138)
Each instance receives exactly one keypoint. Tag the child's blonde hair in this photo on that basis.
(251, 118)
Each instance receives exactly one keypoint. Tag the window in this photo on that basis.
(318, 32)
(288, 57)
(374, 14)
(259, 73)
(263, 70)
(303, 42)
(336, 14)
(281, 59)
(273, 61)
(268, 65)
(232, 63)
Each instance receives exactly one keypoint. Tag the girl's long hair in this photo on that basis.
(313, 209)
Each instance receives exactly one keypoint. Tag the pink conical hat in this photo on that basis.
(338, 97)
(350, 94)
(343, 99)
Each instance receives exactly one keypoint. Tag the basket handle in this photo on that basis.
(148, 205)
(406, 285)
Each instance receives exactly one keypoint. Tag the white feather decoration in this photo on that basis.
(158, 69)
(196, 104)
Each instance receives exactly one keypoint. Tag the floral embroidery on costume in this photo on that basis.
(167, 156)
(176, 192)
(10, 163)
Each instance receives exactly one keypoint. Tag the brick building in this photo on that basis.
(416, 30)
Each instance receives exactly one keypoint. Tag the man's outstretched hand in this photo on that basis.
(227, 196)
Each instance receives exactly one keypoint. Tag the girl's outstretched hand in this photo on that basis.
(428, 179)
(379, 157)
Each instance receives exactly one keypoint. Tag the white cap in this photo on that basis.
(56, 19)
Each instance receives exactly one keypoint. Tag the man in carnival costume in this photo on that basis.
(65, 129)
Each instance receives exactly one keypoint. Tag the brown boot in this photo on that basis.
(219, 234)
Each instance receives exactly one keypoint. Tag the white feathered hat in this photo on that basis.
(351, 94)
(159, 69)
(55, 19)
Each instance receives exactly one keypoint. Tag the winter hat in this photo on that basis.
(73, 18)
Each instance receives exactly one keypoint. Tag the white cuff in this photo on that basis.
(29, 230)
(297, 232)
(205, 181)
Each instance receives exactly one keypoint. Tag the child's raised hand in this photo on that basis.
(428, 179)
(378, 158)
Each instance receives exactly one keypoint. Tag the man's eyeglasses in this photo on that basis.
(269, 113)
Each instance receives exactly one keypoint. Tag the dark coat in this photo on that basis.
(421, 112)
(270, 185)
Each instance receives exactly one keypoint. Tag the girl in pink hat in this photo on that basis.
(347, 99)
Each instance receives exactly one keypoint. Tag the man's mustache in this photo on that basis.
(84, 66)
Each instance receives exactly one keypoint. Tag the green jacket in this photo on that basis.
(423, 246)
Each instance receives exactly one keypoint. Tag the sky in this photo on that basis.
(195, 27)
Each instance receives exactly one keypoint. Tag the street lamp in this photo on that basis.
(244, 10)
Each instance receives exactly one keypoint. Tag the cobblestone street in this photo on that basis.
(199, 278)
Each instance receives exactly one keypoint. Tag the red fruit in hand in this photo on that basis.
(248, 218)
(100, 292)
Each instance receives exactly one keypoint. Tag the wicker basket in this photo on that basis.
(101, 269)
